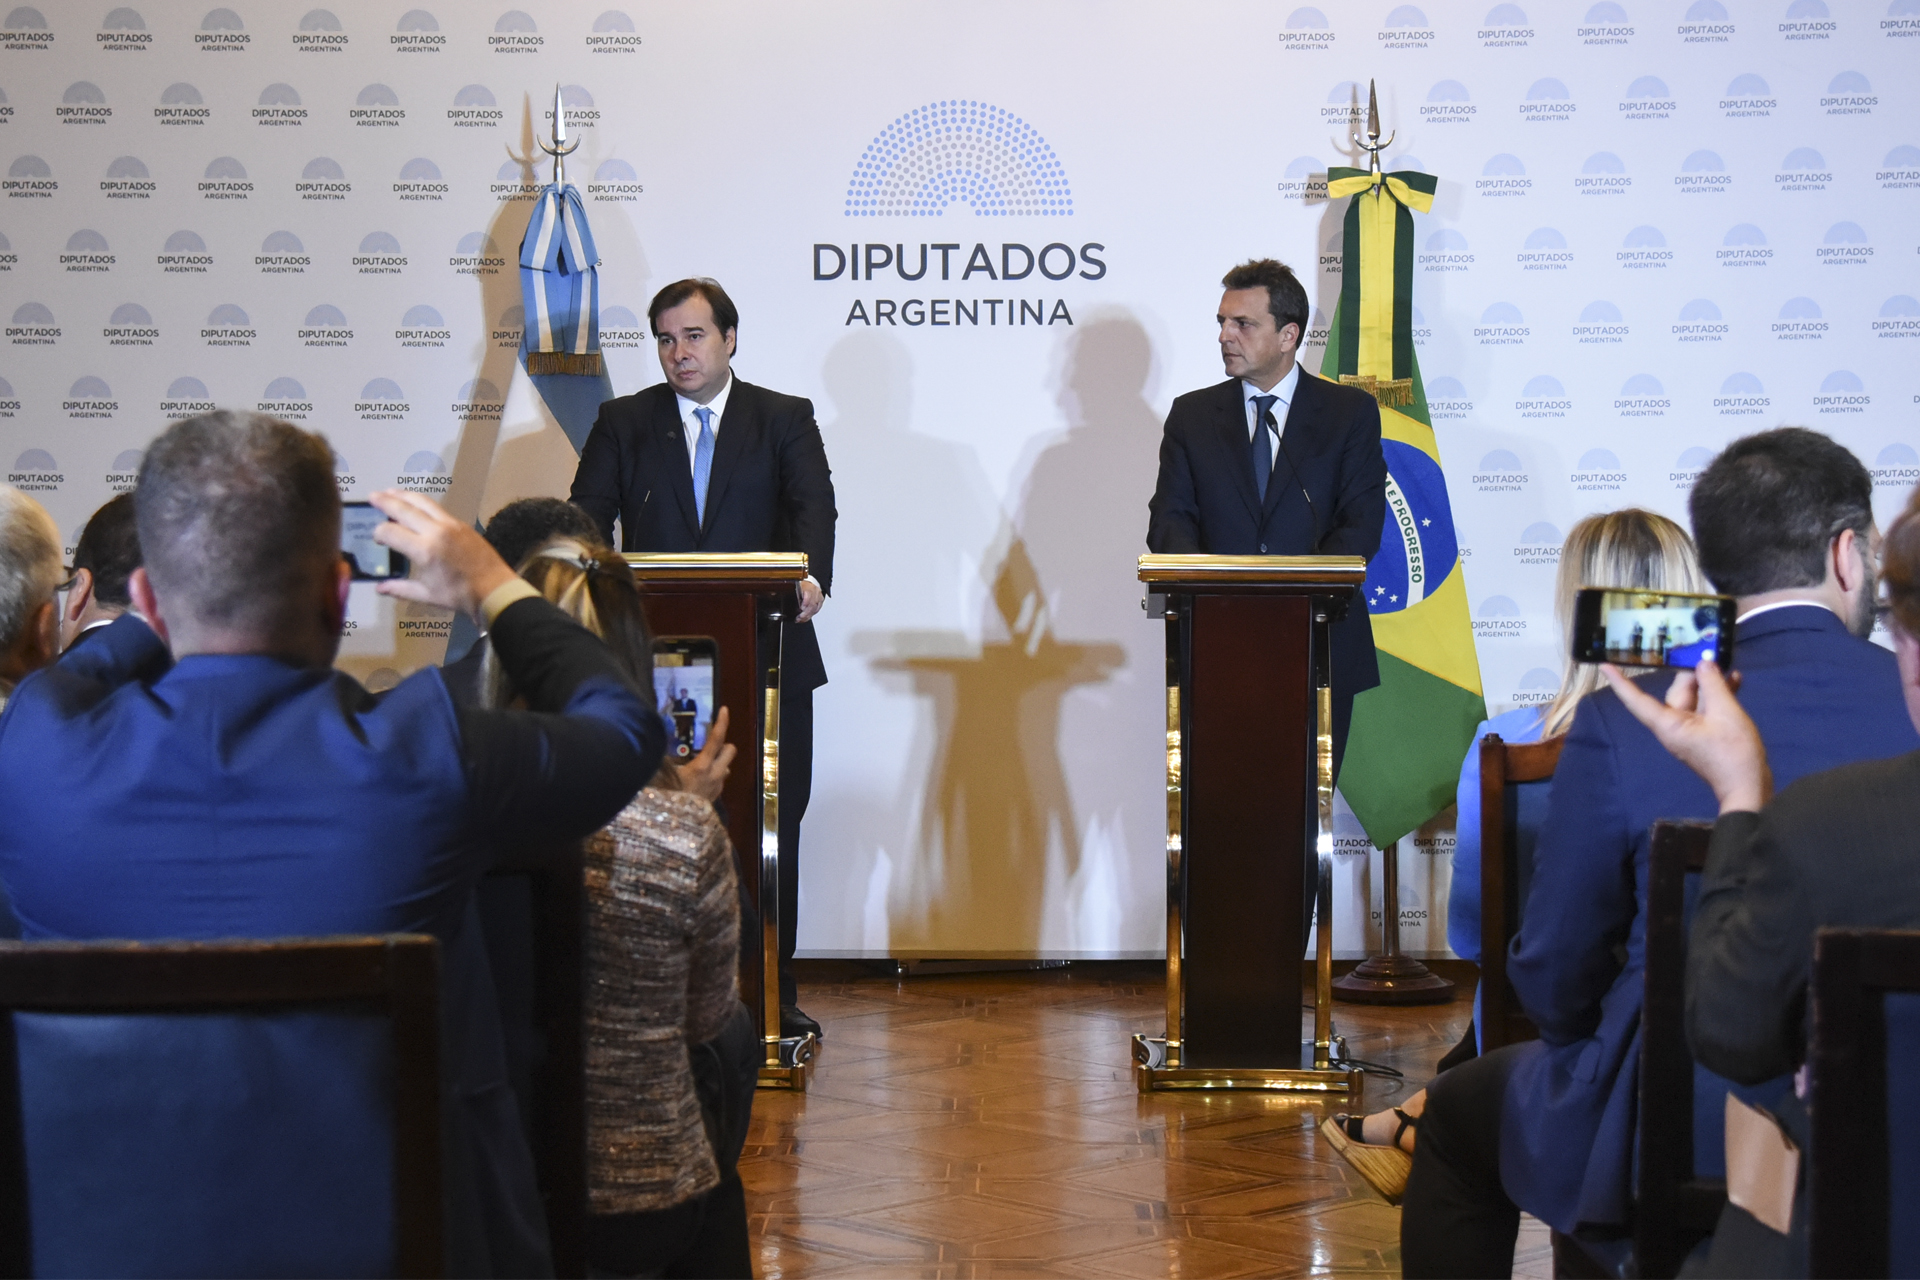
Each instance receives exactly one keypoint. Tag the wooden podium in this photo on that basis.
(740, 601)
(1249, 752)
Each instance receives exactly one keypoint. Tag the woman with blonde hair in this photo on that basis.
(1633, 548)
(666, 1104)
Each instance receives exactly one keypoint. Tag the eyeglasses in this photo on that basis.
(66, 585)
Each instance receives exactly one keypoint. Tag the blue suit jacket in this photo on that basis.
(1821, 698)
(242, 796)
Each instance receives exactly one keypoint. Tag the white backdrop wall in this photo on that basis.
(1658, 227)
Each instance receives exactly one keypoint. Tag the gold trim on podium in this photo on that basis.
(1244, 569)
(1157, 1060)
(788, 1061)
(780, 566)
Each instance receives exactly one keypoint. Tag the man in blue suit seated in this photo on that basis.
(198, 770)
(1784, 523)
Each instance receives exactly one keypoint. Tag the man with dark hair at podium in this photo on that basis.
(704, 462)
(1275, 461)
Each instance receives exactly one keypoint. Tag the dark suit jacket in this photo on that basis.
(240, 796)
(770, 489)
(1840, 850)
(1834, 850)
(1206, 502)
(1821, 698)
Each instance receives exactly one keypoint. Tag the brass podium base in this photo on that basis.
(789, 1063)
(1152, 1073)
(1392, 979)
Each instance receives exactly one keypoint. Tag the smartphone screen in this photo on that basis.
(684, 671)
(369, 561)
(1652, 628)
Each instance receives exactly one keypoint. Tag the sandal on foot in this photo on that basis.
(1385, 1168)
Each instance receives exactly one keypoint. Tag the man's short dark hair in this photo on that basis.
(1765, 511)
(109, 549)
(523, 526)
(1286, 299)
(239, 518)
(725, 314)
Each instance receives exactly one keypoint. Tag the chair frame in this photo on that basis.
(1501, 763)
(399, 973)
(1673, 1210)
(1853, 971)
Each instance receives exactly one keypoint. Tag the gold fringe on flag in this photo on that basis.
(589, 365)
(1394, 393)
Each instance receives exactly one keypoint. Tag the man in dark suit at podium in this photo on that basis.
(706, 462)
(1275, 461)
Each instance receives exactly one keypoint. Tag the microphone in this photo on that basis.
(1313, 513)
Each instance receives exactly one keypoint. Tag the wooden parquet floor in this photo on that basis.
(987, 1125)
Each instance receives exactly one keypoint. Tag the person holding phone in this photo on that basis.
(318, 808)
(1631, 548)
(1784, 523)
(704, 461)
(1834, 850)
(672, 1053)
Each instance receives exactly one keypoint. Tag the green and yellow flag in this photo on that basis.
(1409, 734)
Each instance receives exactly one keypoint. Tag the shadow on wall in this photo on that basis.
(1083, 516)
(997, 801)
(494, 363)
(996, 862)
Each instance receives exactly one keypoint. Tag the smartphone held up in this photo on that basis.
(369, 560)
(684, 668)
(1635, 628)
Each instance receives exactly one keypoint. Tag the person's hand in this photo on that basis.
(1705, 727)
(453, 566)
(706, 774)
(811, 598)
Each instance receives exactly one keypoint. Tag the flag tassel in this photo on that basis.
(1394, 393)
(589, 365)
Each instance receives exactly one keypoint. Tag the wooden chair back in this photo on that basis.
(1849, 1176)
(1503, 766)
(397, 975)
(1674, 1210)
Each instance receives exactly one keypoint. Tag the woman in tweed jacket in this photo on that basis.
(663, 922)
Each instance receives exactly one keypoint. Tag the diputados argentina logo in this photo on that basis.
(952, 156)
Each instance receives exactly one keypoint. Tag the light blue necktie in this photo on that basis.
(702, 464)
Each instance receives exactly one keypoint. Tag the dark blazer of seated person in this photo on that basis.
(248, 795)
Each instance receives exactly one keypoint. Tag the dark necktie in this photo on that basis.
(1261, 446)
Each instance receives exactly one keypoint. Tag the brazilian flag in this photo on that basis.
(1409, 734)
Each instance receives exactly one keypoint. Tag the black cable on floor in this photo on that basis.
(1345, 1059)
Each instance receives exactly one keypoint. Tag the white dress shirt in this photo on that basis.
(692, 424)
(1283, 393)
(1781, 604)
